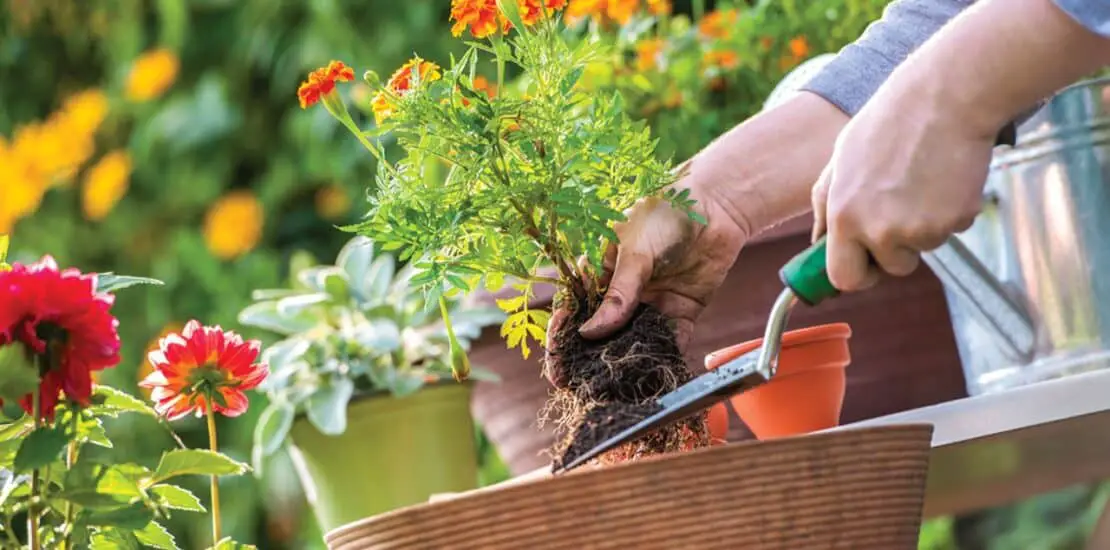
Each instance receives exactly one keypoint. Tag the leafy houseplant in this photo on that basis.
(363, 358)
(537, 174)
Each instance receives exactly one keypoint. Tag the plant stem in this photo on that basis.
(71, 459)
(699, 9)
(214, 446)
(32, 511)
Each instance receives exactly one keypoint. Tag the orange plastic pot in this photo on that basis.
(807, 392)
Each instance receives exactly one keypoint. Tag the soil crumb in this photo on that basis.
(604, 387)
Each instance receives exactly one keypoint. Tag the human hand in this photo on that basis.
(667, 260)
(755, 176)
(897, 186)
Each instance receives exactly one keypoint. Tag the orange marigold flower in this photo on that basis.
(481, 16)
(659, 7)
(647, 53)
(721, 59)
(482, 84)
(578, 9)
(532, 11)
(719, 24)
(799, 47)
(401, 83)
(203, 367)
(603, 11)
(321, 82)
(622, 11)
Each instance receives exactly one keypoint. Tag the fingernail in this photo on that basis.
(589, 326)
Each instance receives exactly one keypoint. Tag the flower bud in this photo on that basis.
(372, 79)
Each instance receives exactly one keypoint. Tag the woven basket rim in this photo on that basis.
(642, 467)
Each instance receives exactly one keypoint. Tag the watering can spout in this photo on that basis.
(1008, 320)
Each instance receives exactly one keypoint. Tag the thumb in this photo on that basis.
(632, 271)
(819, 200)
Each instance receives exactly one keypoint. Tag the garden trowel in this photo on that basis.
(806, 280)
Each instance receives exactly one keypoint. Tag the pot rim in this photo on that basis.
(792, 339)
(377, 393)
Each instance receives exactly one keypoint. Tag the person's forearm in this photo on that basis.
(762, 170)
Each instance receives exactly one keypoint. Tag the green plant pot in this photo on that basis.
(395, 452)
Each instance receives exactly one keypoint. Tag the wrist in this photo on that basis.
(760, 173)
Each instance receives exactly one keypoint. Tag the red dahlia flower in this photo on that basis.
(202, 364)
(63, 323)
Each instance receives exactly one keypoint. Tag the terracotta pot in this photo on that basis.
(846, 489)
(718, 424)
(807, 391)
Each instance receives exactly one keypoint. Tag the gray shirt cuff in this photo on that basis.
(1092, 14)
(860, 68)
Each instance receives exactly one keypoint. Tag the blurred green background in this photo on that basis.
(163, 138)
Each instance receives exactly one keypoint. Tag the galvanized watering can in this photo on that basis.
(1045, 233)
(1023, 286)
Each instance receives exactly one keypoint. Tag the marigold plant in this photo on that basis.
(499, 188)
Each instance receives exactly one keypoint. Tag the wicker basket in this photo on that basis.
(852, 489)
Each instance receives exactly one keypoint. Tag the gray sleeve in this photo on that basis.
(861, 67)
(1092, 14)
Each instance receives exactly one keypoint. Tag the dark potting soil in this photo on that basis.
(606, 386)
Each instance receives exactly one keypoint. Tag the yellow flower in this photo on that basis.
(21, 190)
(233, 225)
(105, 184)
(332, 202)
(151, 74)
(85, 111)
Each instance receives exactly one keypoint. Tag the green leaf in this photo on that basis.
(40, 448)
(157, 536)
(296, 305)
(172, 496)
(91, 430)
(355, 258)
(133, 516)
(228, 544)
(327, 408)
(18, 374)
(183, 462)
(273, 427)
(9, 482)
(103, 487)
(111, 401)
(114, 539)
(265, 315)
(110, 282)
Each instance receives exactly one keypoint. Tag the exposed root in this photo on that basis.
(606, 386)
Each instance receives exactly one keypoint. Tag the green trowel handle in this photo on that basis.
(808, 276)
